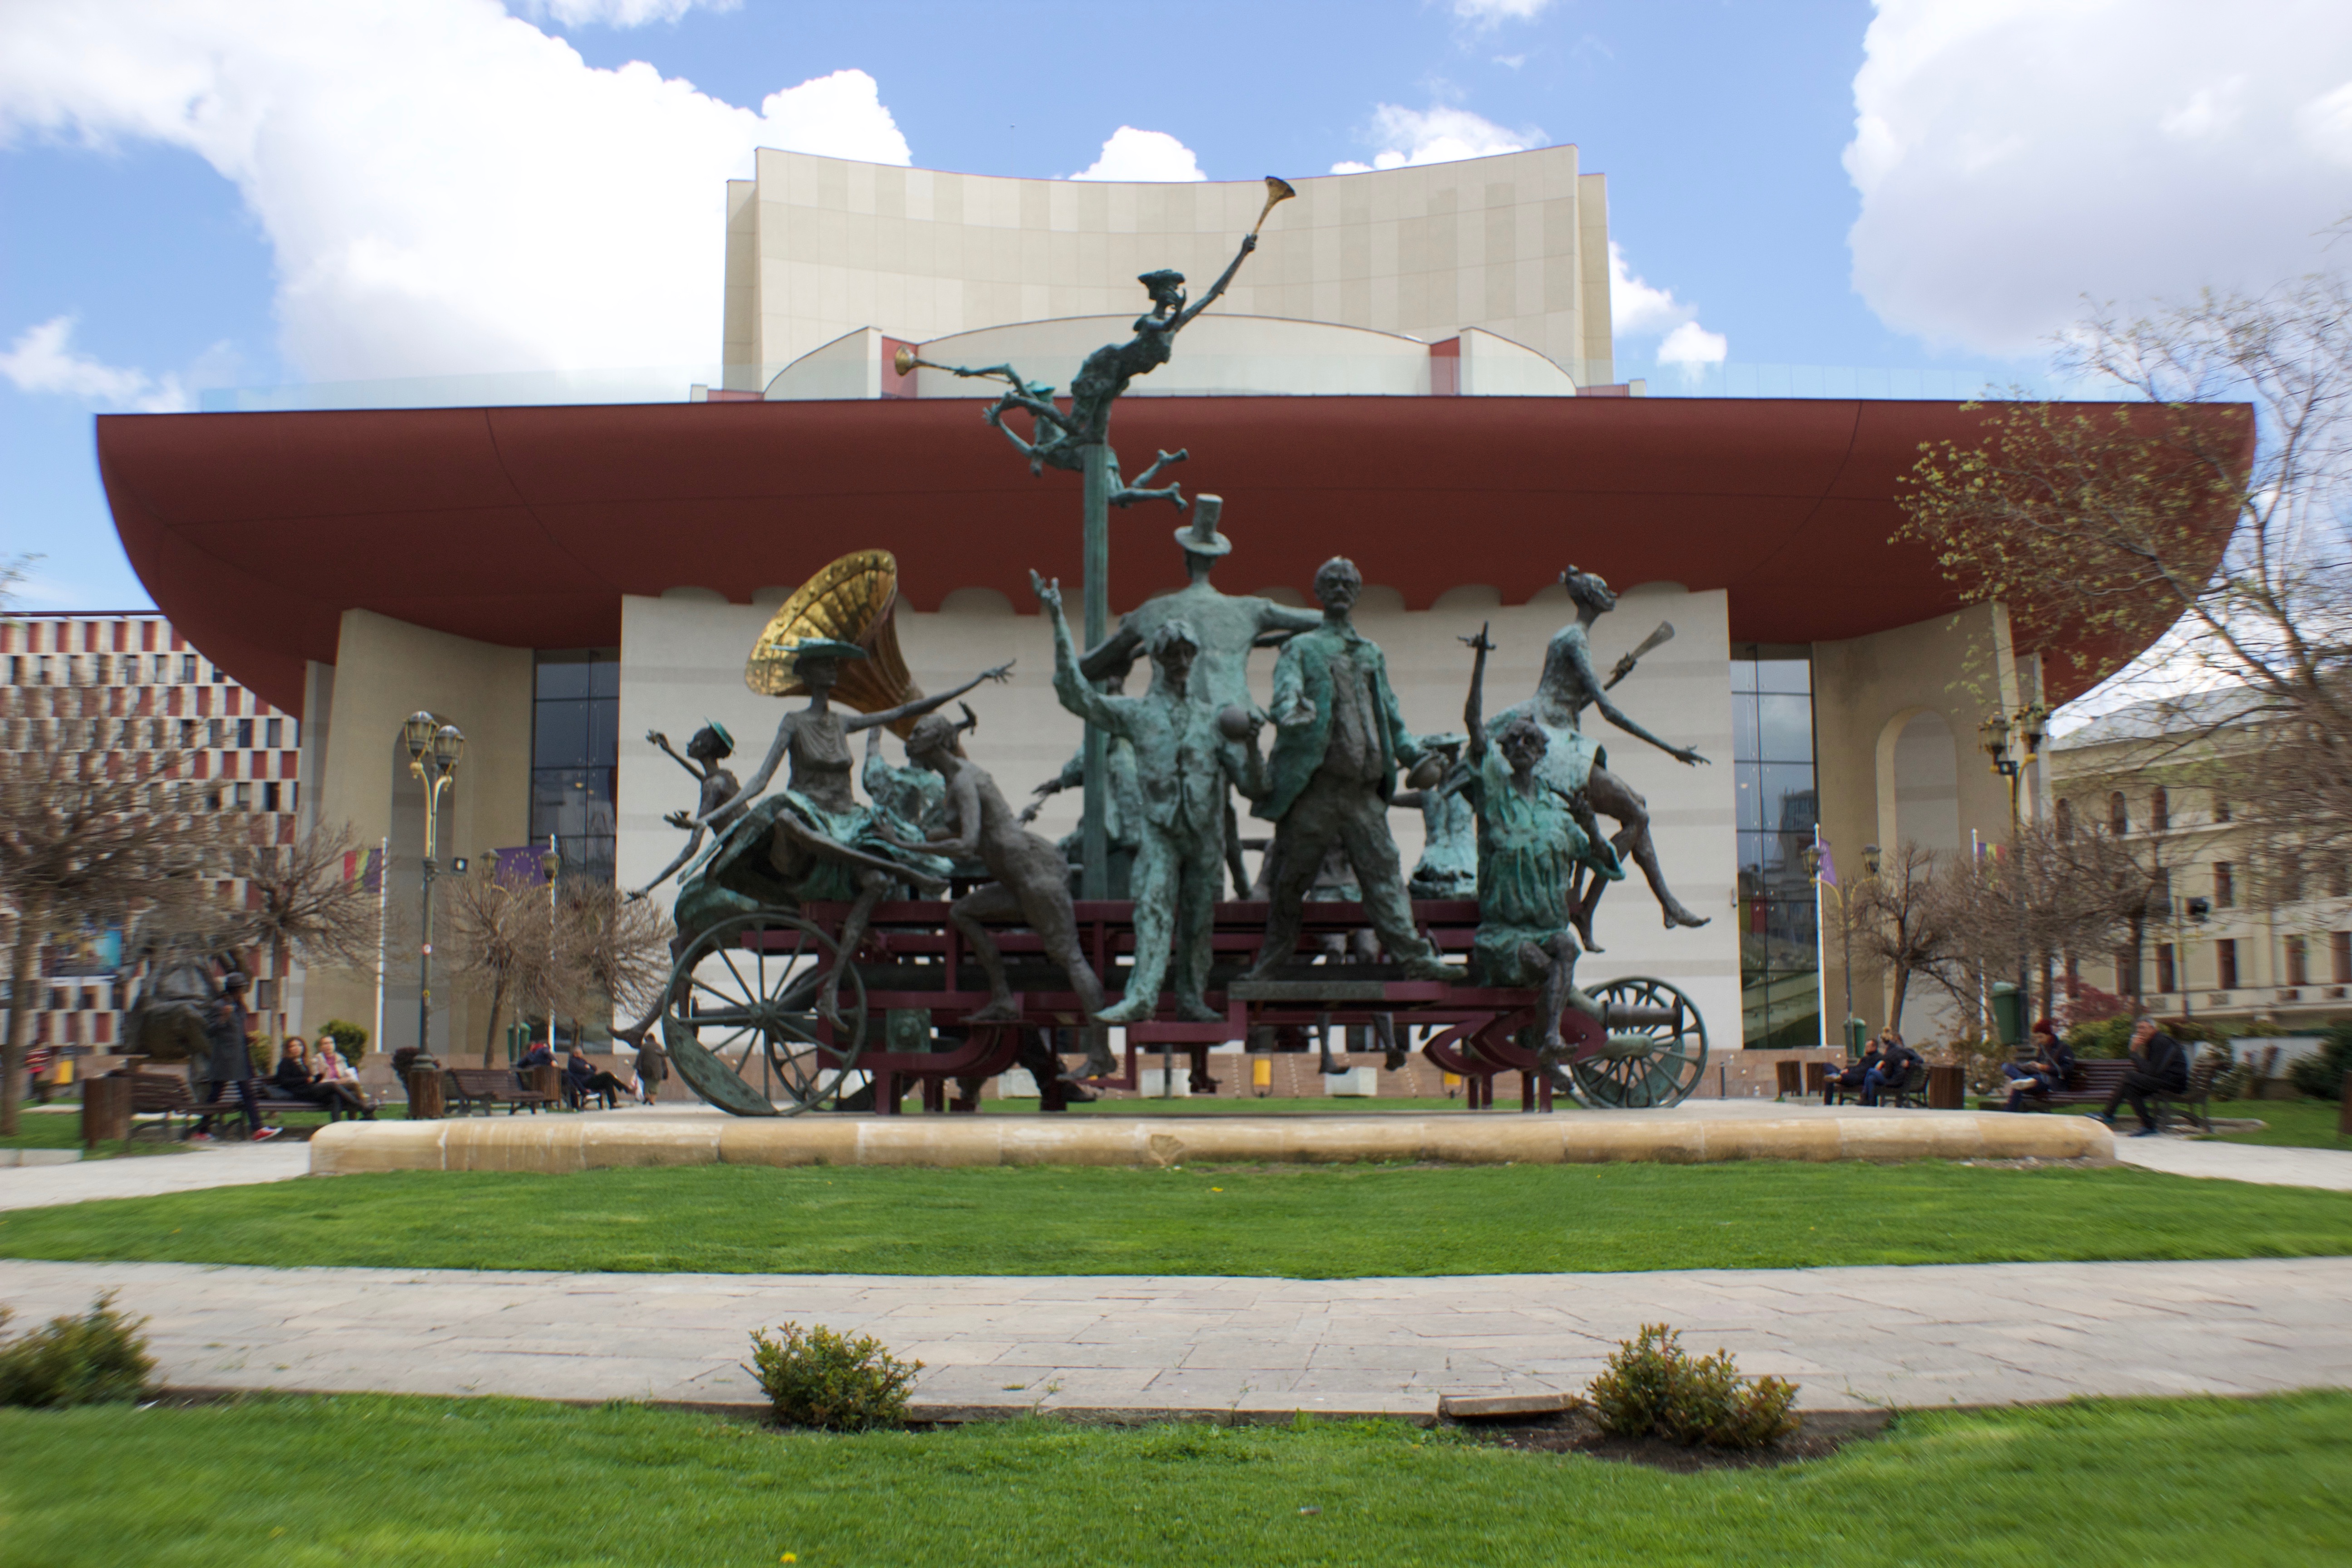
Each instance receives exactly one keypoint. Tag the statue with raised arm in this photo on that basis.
(1031, 882)
(812, 841)
(1183, 767)
(1530, 849)
(1123, 802)
(1577, 764)
(711, 746)
(1228, 627)
(1338, 742)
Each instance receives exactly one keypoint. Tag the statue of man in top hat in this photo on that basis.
(1340, 739)
(1227, 626)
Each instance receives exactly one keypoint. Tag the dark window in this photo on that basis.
(2225, 884)
(275, 733)
(2118, 814)
(575, 754)
(270, 797)
(245, 733)
(2221, 809)
(2127, 971)
(2164, 975)
(2065, 822)
(244, 797)
(2339, 953)
(2225, 964)
(1777, 814)
(2298, 962)
(188, 670)
(2159, 815)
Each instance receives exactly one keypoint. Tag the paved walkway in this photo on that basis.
(222, 1165)
(1969, 1334)
(2260, 1162)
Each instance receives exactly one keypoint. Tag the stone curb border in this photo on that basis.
(555, 1145)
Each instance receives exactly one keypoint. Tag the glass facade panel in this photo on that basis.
(1779, 810)
(575, 755)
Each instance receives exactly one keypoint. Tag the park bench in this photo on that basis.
(1912, 1092)
(166, 1095)
(2094, 1082)
(472, 1088)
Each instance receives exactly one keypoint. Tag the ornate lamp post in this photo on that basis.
(551, 861)
(2012, 742)
(433, 752)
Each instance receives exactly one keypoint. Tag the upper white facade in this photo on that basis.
(817, 248)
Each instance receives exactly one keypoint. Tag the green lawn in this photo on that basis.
(1233, 1104)
(2294, 1123)
(41, 1127)
(1309, 1222)
(391, 1481)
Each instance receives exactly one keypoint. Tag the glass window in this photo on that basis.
(575, 756)
(276, 732)
(1776, 812)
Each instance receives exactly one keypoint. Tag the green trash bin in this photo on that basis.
(1857, 1035)
(2006, 1018)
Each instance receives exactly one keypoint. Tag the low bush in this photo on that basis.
(2103, 1038)
(815, 1377)
(1652, 1388)
(2321, 1074)
(99, 1358)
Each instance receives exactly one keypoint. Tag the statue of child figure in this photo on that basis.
(1530, 845)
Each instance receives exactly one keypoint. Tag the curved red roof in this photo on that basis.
(525, 526)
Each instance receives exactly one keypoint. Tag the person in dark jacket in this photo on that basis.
(2052, 1065)
(1851, 1077)
(2159, 1065)
(1896, 1061)
(229, 1063)
(582, 1080)
(295, 1079)
(541, 1054)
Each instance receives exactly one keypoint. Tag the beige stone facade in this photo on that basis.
(818, 248)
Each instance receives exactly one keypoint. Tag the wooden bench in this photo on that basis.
(166, 1095)
(472, 1088)
(1911, 1093)
(2095, 1082)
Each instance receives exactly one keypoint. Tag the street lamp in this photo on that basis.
(550, 861)
(433, 752)
(2012, 742)
(1813, 854)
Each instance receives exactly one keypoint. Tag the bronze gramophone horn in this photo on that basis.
(1276, 190)
(853, 600)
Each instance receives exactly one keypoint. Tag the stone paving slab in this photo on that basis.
(221, 1165)
(2268, 1164)
(1977, 1334)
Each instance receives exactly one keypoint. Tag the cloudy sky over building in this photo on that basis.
(203, 194)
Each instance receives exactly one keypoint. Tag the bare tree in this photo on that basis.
(2211, 516)
(1893, 924)
(85, 837)
(298, 902)
(621, 948)
(504, 944)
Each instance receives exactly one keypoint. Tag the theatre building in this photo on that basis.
(1413, 369)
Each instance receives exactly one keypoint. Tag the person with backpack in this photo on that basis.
(228, 1061)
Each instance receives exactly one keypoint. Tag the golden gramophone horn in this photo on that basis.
(852, 600)
(1277, 190)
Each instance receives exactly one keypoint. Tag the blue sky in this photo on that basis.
(210, 193)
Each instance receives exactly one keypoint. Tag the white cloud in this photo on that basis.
(446, 189)
(1491, 12)
(618, 13)
(2015, 156)
(42, 360)
(1409, 137)
(1132, 154)
(1692, 346)
(1641, 310)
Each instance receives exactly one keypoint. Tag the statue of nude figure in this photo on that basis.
(1575, 764)
(711, 746)
(1032, 882)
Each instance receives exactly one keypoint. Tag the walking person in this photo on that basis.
(229, 1063)
(653, 1067)
(2159, 1065)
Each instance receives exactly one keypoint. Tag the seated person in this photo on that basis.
(2051, 1065)
(1896, 1061)
(1849, 1078)
(541, 1054)
(296, 1079)
(582, 1080)
(2159, 1065)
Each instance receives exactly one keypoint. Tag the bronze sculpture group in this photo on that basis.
(1509, 811)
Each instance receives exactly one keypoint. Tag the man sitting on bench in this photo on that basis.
(2159, 1065)
(2052, 1065)
(582, 1082)
(1896, 1061)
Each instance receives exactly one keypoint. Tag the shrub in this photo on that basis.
(815, 1377)
(1652, 1387)
(261, 1050)
(97, 1359)
(2102, 1038)
(349, 1038)
(2321, 1074)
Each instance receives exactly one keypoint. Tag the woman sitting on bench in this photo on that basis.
(295, 1080)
